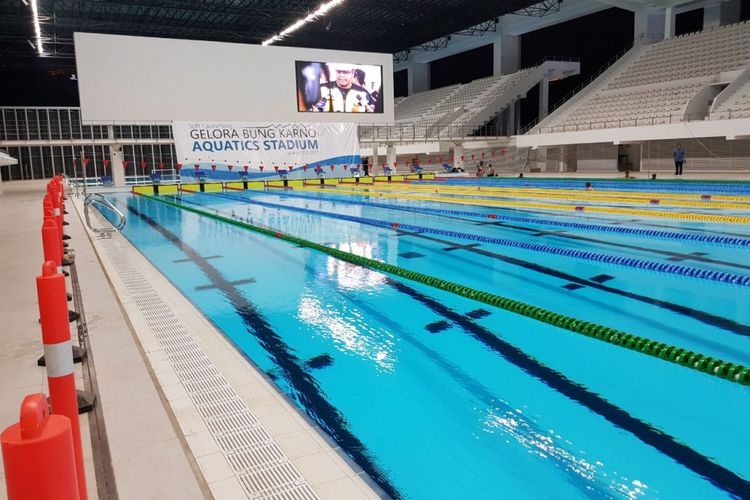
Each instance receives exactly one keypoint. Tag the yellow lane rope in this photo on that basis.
(578, 196)
(545, 206)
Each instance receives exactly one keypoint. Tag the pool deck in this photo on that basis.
(186, 415)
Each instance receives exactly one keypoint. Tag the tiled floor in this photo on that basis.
(20, 341)
(249, 393)
(160, 444)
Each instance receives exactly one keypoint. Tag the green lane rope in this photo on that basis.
(733, 372)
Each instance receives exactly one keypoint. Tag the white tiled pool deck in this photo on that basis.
(186, 415)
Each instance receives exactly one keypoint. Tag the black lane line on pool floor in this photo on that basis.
(572, 215)
(565, 459)
(701, 316)
(569, 215)
(674, 256)
(691, 459)
(656, 438)
(664, 443)
(304, 384)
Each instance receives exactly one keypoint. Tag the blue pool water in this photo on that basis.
(438, 396)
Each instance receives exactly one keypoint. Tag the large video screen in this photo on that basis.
(331, 87)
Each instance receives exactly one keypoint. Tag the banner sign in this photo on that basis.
(214, 146)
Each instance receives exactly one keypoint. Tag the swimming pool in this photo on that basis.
(436, 395)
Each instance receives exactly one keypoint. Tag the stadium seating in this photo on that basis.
(655, 85)
(737, 105)
(466, 101)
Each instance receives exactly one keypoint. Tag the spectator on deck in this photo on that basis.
(491, 171)
(679, 159)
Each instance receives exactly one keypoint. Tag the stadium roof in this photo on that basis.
(362, 25)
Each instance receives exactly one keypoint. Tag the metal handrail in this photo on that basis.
(100, 199)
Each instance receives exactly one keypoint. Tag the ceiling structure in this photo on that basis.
(362, 25)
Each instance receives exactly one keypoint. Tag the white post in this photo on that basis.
(669, 22)
(458, 156)
(418, 77)
(390, 155)
(543, 98)
(118, 173)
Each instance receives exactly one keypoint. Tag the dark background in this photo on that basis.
(596, 39)
(462, 68)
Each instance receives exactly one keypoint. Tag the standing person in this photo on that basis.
(679, 158)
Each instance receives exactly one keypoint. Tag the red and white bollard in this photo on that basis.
(38, 455)
(58, 355)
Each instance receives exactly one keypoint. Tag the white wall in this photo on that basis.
(124, 78)
(731, 129)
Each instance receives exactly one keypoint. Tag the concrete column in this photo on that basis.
(712, 16)
(118, 173)
(506, 54)
(721, 13)
(669, 22)
(390, 155)
(115, 159)
(458, 153)
(418, 77)
(511, 115)
(562, 165)
(648, 21)
(543, 98)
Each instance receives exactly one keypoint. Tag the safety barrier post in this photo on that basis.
(51, 242)
(58, 353)
(38, 454)
(49, 217)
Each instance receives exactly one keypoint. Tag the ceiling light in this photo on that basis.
(317, 13)
(37, 28)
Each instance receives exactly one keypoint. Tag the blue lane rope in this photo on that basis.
(692, 272)
(658, 186)
(631, 231)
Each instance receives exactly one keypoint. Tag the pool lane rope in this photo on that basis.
(544, 206)
(659, 185)
(732, 372)
(693, 272)
(602, 192)
(583, 196)
(631, 231)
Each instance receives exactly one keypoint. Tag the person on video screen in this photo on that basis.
(342, 93)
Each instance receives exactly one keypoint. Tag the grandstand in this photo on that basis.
(457, 110)
(663, 83)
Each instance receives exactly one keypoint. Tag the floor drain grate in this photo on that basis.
(261, 467)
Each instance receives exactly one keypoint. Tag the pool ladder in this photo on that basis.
(103, 232)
